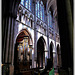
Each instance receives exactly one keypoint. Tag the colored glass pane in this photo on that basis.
(26, 4)
(22, 2)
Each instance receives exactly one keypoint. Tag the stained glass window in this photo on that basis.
(36, 10)
(27, 3)
(22, 2)
(50, 20)
(51, 25)
(43, 13)
(30, 4)
(40, 10)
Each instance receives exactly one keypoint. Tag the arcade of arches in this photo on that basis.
(30, 38)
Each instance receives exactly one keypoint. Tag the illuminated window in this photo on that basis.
(36, 10)
(50, 20)
(30, 5)
(27, 3)
(51, 24)
(22, 2)
(43, 13)
(40, 10)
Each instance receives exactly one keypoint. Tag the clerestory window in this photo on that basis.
(40, 10)
(27, 3)
(50, 23)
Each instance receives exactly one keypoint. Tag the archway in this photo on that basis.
(51, 54)
(40, 52)
(23, 51)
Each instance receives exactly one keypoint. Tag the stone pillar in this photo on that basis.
(8, 39)
(55, 59)
(8, 23)
(35, 37)
(48, 47)
(60, 61)
(66, 29)
(32, 58)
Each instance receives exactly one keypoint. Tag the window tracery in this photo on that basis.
(50, 23)
(40, 10)
(27, 3)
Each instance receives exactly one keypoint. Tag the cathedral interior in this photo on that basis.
(37, 37)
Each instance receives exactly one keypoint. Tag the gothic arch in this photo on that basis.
(40, 52)
(51, 44)
(51, 53)
(22, 49)
(25, 32)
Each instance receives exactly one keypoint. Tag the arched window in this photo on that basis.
(43, 13)
(38, 6)
(27, 3)
(36, 10)
(50, 23)
(40, 10)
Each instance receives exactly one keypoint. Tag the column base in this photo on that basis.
(11, 70)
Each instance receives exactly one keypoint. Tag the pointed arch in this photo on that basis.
(23, 50)
(51, 53)
(24, 32)
(40, 52)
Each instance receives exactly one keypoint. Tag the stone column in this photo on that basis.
(32, 58)
(8, 23)
(55, 59)
(60, 63)
(66, 29)
(48, 47)
(35, 36)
